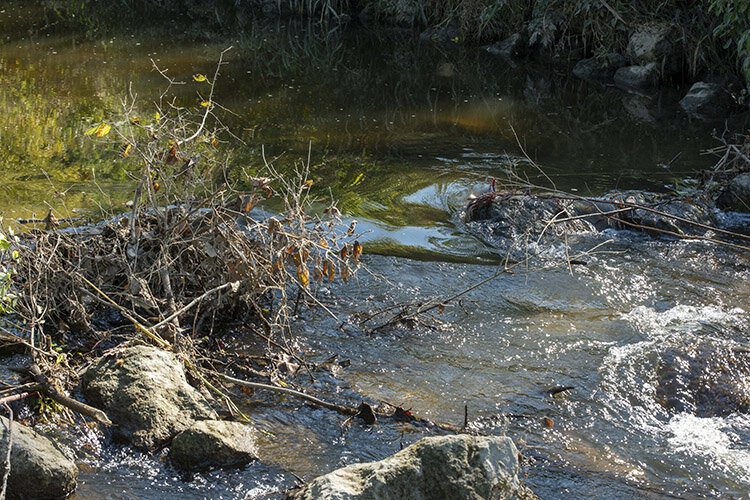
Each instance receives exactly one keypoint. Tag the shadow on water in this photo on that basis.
(402, 134)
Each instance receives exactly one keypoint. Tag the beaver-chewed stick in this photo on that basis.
(344, 410)
(399, 414)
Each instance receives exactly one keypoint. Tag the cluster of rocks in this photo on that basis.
(145, 392)
(655, 55)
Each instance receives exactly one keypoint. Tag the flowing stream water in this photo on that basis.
(651, 335)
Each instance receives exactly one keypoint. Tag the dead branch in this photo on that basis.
(16, 397)
(82, 408)
(344, 410)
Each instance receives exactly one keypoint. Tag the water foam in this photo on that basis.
(681, 318)
(630, 381)
(713, 438)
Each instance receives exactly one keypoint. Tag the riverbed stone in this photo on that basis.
(209, 444)
(599, 68)
(145, 393)
(448, 34)
(37, 468)
(460, 467)
(707, 101)
(637, 78)
(649, 108)
(736, 196)
(704, 378)
(660, 44)
(512, 47)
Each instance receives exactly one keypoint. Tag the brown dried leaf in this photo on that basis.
(273, 225)
(331, 270)
(303, 275)
(317, 274)
(171, 157)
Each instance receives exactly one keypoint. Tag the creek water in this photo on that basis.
(651, 335)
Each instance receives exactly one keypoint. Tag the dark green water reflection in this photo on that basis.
(383, 117)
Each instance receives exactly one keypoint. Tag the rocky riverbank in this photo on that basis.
(152, 406)
(654, 59)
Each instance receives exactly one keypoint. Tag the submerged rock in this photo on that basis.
(508, 220)
(37, 468)
(736, 196)
(599, 68)
(213, 443)
(662, 214)
(657, 44)
(145, 393)
(503, 220)
(455, 467)
(648, 108)
(705, 380)
(707, 101)
(512, 47)
(443, 35)
(637, 77)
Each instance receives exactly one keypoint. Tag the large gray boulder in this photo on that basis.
(660, 44)
(708, 101)
(212, 444)
(38, 470)
(736, 196)
(446, 467)
(145, 393)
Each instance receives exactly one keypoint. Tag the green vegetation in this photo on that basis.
(8, 254)
(734, 28)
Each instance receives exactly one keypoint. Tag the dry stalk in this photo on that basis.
(190, 251)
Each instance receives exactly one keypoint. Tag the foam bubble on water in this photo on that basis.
(711, 438)
(680, 317)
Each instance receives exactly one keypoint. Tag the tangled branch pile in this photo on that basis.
(733, 158)
(192, 252)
